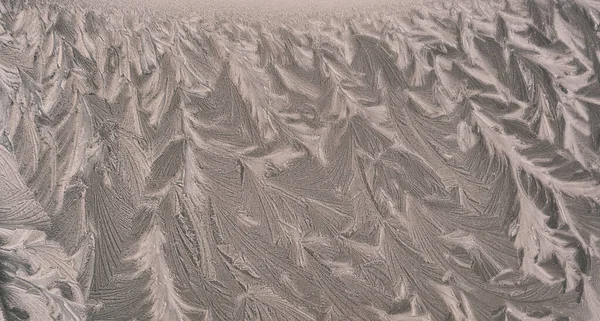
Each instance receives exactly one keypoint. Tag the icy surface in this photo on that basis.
(435, 162)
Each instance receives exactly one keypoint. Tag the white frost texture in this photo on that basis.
(439, 162)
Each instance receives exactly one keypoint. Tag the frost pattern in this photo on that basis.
(438, 165)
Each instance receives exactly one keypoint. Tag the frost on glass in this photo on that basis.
(438, 162)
